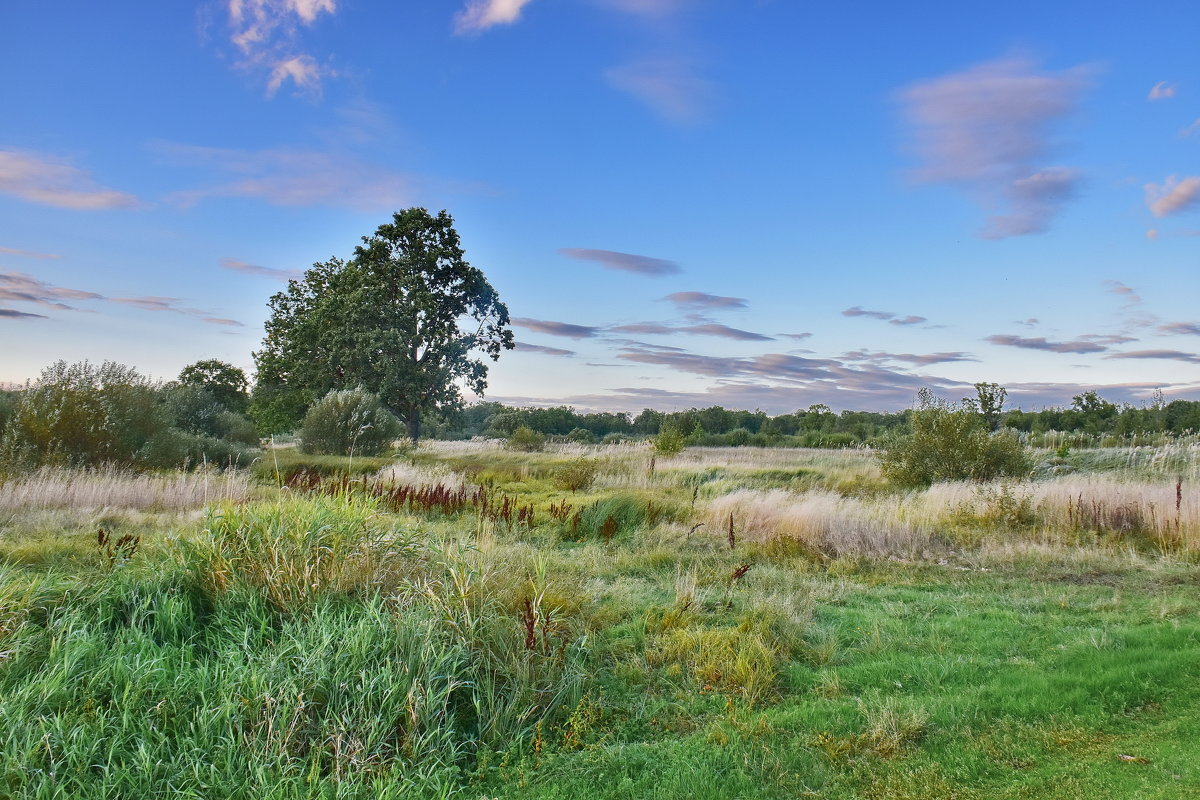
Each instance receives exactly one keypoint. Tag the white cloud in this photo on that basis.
(479, 15)
(670, 86)
(51, 181)
(267, 34)
(1173, 195)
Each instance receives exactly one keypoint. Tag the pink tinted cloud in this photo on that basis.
(987, 130)
(625, 262)
(479, 15)
(53, 181)
(1173, 195)
(671, 86)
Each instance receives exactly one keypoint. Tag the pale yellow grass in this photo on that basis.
(89, 490)
(829, 522)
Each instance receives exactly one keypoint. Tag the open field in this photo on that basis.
(590, 622)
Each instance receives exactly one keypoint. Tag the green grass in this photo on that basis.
(319, 647)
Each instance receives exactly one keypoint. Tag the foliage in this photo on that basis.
(280, 465)
(224, 382)
(670, 441)
(582, 436)
(950, 443)
(348, 422)
(391, 319)
(527, 440)
(82, 414)
(576, 475)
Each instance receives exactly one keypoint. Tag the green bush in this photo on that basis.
(527, 440)
(949, 442)
(84, 415)
(576, 475)
(738, 437)
(670, 440)
(581, 436)
(175, 449)
(349, 422)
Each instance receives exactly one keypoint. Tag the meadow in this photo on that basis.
(463, 620)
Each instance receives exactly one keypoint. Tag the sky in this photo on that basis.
(753, 203)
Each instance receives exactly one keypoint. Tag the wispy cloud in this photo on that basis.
(262, 272)
(1180, 328)
(552, 328)
(1108, 338)
(1128, 293)
(671, 86)
(53, 181)
(1191, 129)
(1162, 91)
(986, 130)
(920, 360)
(797, 336)
(891, 317)
(267, 35)
(292, 177)
(12, 313)
(645, 8)
(21, 288)
(172, 305)
(725, 332)
(625, 262)
(479, 15)
(1173, 355)
(525, 347)
(11, 251)
(1040, 343)
(1173, 195)
(702, 300)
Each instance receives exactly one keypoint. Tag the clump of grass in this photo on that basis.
(298, 550)
(739, 659)
(576, 475)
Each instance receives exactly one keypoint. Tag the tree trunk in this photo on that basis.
(414, 426)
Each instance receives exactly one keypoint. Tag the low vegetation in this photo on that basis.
(468, 620)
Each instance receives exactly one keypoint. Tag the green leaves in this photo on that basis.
(401, 318)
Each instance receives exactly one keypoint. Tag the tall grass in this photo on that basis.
(111, 488)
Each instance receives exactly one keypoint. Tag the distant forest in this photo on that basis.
(1089, 416)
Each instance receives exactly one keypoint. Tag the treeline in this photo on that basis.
(817, 426)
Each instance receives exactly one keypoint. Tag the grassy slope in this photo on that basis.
(1000, 674)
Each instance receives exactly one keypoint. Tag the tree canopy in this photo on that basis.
(225, 382)
(407, 318)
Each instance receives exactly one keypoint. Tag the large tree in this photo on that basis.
(406, 317)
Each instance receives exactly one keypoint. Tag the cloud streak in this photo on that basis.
(259, 271)
(985, 130)
(12, 251)
(1173, 355)
(552, 328)
(1161, 91)
(53, 181)
(624, 262)
(889, 316)
(702, 300)
(21, 288)
(1040, 343)
(12, 313)
(525, 347)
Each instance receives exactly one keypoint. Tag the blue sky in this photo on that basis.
(758, 203)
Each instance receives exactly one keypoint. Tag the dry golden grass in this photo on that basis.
(92, 490)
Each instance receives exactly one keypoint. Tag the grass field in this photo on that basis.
(473, 622)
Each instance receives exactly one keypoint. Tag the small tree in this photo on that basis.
(950, 442)
(527, 440)
(349, 422)
(670, 440)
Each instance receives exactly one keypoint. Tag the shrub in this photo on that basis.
(738, 437)
(670, 440)
(949, 442)
(348, 422)
(82, 414)
(581, 436)
(576, 475)
(527, 440)
(175, 449)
